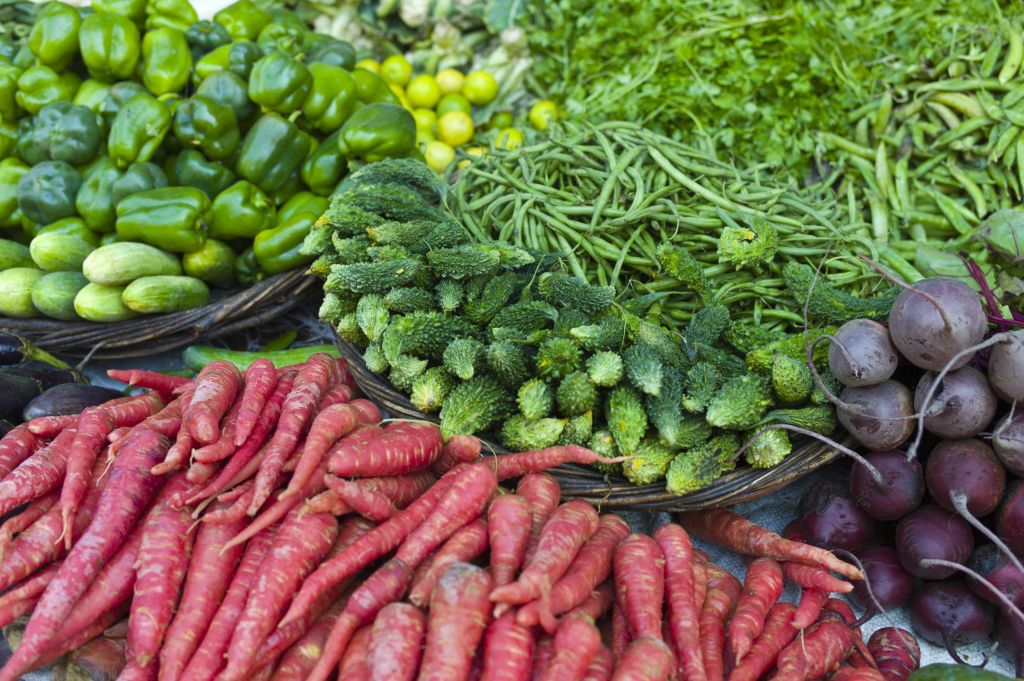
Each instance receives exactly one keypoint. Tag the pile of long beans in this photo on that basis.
(606, 196)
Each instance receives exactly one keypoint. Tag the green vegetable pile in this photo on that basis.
(497, 337)
(147, 155)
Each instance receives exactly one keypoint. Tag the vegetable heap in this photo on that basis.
(364, 559)
(148, 155)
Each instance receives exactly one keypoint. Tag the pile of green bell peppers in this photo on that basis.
(133, 120)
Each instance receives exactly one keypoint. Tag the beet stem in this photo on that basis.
(959, 500)
(876, 476)
(1009, 607)
(930, 395)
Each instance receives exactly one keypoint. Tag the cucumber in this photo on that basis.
(16, 292)
(54, 294)
(99, 303)
(198, 356)
(214, 263)
(121, 263)
(13, 254)
(954, 672)
(56, 252)
(165, 293)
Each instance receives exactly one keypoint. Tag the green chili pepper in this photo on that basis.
(201, 123)
(332, 97)
(243, 19)
(95, 200)
(371, 88)
(11, 171)
(327, 50)
(54, 35)
(171, 218)
(166, 61)
(241, 211)
(132, 9)
(8, 139)
(228, 90)
(46, 193)
(191, 169)
(10, 110)
(303, 202)
(110, 46)
(92, 94)
(324, 169)
(205, 35)
(271, 152)
(378, 131)
(174, 14)
(279, 83)
(74, 226)
(138, 177)
(247, 268)
(278, 249)
(40, 85)
(61, 131)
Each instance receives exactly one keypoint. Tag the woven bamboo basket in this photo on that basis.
(231, 312)
(610, 491)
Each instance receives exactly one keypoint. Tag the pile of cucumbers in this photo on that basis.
(147, 156)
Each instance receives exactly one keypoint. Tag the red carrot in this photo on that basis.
(74, 643)
(541, 657)
(339, 393)
(163, 557)
(602, 667)
(216, 387)
(129, 490)
(508, 650)
(94, 425)
(22, 521)
(402, 448)
(620, 631)
(700, 585)
(178, 453)
(12, 610)
(37, 475)
(735, 532)
(543, 492)
(355, 665)
(312, 381)
(51, 426)
(260, 379)
(683, 615)
(722, 594)
(380, 497)
(778, 632)
(117, 434)
(896, 652)
(576, 644)
(459, 611)
(597, 603)
(640, 582)
(458, 449)
(162, 383)
(591, 567)
(225, 444)
(234, 512)
(509, 518)
(133, 410)
(811, 601)
(327, 502)
(301, 657)
(200, 472)
(538, 460)
(15, 447)
(33, 586)
(209, 574)
(646, 659)
(816, 654)
(762, 586)
(209, 659)
(279, 509)
(396, 642)
(301, 543)
(463, 547)
(812, 577)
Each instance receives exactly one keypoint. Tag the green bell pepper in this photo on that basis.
(138, 177)
(132, 9)
(200, 122)
(11, 171)
(138, 130)
(10, 110)
(8, 48)
(54, 35)
(327, 50)
(303, 202)
(46, 193)
(109, 238)
(171, 218)
(228, 90)
(8, 139)
(243, 19)
(205, 35)
(191, 169)
(92, 94)
(241, 212)
(292, 186)
(279, 83)
(371, 88)
(278, 249)
(111, 46)
(272, 150)
(61, 131)
(95, 201)
(74, 226)
(118, 96)
(247, 268)
(324, 169)
(283, 37)
(23, 58)
(166, 61)
(174, 14)
(378, 131)
(332, 97)
(288, 17)
(238, 58)
(213, 61)
(40, 85)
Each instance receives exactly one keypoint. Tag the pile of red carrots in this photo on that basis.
(267, 525)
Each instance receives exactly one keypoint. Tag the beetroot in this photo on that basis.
(1006, 367)
(936, 319)
(932, 532)
(902, 494)
(831, 519)
(877, 416)
(988, 561)
(1010, 519)
(1008, 442)
(962, 406)
(861, 353)
(891, 585)
(949, 614)
(969, 467)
